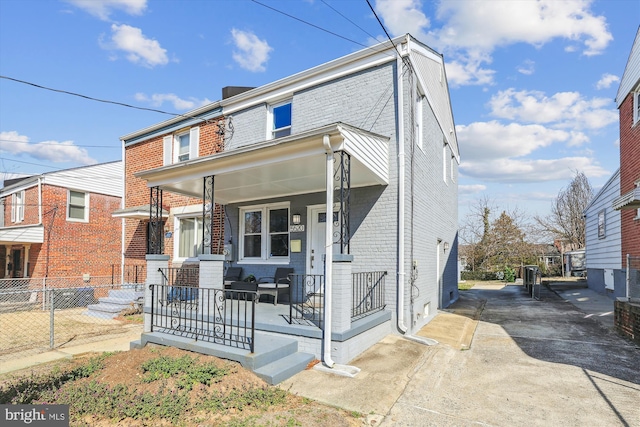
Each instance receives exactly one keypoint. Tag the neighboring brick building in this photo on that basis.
(59, 224)
(628, 101)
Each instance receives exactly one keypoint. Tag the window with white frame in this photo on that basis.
(280, 120)
(264, 232)
(419, 125)
(188, 239)
(445, 161)
(77, 206)
(452, 167)
(636, 107)
(17, 206)
(181, 146)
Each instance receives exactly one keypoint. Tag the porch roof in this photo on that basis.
(136, 212)
(281, 167)
(630, 200)
(22, 235)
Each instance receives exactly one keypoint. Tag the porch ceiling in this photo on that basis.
(283, 167)
(22, 235)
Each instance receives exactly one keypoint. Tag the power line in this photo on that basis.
(106, 101)
(58, 144)
(356, 25)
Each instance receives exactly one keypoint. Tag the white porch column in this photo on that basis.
(25, 268)
(154, 277)
(342, 293)
(211, 277)
(7, 260)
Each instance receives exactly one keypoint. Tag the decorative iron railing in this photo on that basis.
(128, 273)
(209, 315)
(368, 293)
(180, 276)
(306, 297)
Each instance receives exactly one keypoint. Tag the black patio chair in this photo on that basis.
(232, 274)
(281, 281)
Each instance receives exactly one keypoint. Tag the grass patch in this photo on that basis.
(465, 286)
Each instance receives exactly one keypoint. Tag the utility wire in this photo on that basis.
(353, 23)
(106, 101)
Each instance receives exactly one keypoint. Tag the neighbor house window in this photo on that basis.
(445, 160)
(451, 167)
(181, 146)
(77, 206)
(601, 225)
(17, 206)
(189, 237)
(264, 233)
(636, 107)
(419, 125)
(280, 120)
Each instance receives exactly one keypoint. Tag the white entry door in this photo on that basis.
(316, 237)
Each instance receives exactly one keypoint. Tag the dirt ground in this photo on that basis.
(124, 368)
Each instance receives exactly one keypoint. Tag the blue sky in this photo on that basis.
(532, 83)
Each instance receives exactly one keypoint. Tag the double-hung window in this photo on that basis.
(77, 206)
(17, 206)
(264, 233)
(636, 107)
(280, 120)
(419, 125)
(181, 146)
(445, 161)
(189, 237)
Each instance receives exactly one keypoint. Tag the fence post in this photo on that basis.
(154, 277)
(51, 318)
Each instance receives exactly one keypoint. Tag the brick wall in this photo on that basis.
(629, 174)
(627, 319)
(76, 248)
(148, 155)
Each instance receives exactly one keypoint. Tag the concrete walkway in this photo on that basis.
(504, 359)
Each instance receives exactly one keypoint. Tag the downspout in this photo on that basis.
(328, 242)
(123, 220)
(401, 171)
(40, 199)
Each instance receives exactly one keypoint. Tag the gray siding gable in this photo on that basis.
(604, 252)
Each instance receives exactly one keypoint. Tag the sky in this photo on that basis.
(532, 83)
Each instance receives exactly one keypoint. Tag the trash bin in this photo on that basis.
(69, 298)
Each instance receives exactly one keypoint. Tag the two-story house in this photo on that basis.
(345, 174)
(59, 224)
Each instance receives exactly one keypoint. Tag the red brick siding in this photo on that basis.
(76, 248)
(627, 320)
(629, 174)
(148, 155)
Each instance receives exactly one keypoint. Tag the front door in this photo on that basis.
(16, 263)
(316, 236)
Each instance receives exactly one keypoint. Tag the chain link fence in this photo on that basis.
(633, 276)
(38, 314)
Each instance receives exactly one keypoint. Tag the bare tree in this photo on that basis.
(566, 220)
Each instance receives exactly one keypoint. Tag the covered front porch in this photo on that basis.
(328, 304)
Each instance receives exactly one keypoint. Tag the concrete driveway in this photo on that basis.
(503, 359)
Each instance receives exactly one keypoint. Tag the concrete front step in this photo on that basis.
(275, 358)
(118, 300)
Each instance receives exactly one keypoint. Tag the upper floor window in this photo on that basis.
(280, 122)
(181, 146)
(419, 125)
(636, 107)
(264, 232)
(445, 161)
(17, 206)
(602, 225)
(77, 206)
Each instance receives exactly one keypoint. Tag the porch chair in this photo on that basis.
(275, 285)
(232, 275)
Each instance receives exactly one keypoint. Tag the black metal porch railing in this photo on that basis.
(306, 296)
(368, 293)
(127, 273)
(204, 314)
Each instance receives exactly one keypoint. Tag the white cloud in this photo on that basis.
(157, 99)
(531, 170)
(527, 67)
(606, 81)
(138, 48)
(53, 151)
(491, 140)
(103, 8)
(562, 110)
(471, 189)
(252, 53)
(403, 16)
(469, 71)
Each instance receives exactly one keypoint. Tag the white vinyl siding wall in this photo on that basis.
(604, 252)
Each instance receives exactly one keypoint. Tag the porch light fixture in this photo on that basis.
(295, 219)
